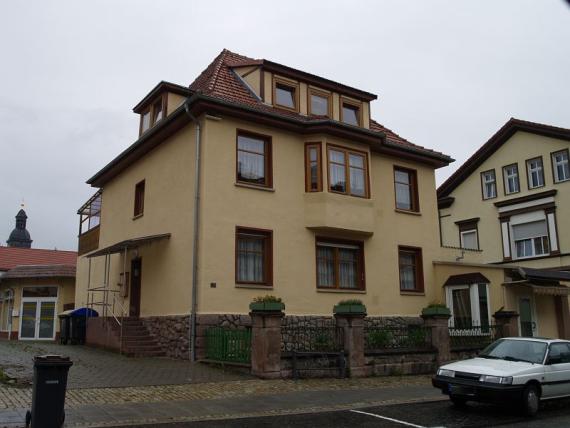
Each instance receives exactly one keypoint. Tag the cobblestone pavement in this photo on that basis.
(113, 406)
(96, 368)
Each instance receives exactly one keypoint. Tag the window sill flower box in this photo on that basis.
(267, 306)
(434, 311)
(349, 309)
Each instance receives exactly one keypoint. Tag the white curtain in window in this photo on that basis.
(403, 196)
(325, 266)
(251, 166)
(469, 239)
(250, 260)
(348, 270)
(357, 181)
(337, 177)
(407, 278)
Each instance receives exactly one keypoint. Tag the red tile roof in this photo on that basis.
(10, 257)
(220, 81)
(41, 271)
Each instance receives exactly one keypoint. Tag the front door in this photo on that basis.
(527, 322)
(38, 319)
(135, 299)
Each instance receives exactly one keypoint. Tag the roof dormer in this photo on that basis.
(160, 102)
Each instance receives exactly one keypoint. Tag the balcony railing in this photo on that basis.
(88, 241)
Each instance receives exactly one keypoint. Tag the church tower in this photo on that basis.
(20, 237)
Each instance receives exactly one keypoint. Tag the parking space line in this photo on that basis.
(388, 419)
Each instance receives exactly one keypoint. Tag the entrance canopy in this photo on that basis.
(541, 281)
(129, 244)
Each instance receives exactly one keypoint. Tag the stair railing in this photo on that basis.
(120, 319)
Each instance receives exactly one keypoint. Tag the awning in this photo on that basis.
(553, 289)
(543, 274)
(129, 244)
(467, 279)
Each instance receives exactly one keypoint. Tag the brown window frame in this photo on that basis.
(468, 225)
(139, 199)
(150, 110)
(413, 185)
(528, 181)
(516, 165)
(267, 236)
(360, 263)
(308, 183)
(351, 103)
(268, 155)
(482, 174)
(322, 94)
(277, 81)
(552, 154)
(419, 271)
(347, 151)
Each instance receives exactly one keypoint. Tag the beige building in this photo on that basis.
(259, 179)
(504, 216)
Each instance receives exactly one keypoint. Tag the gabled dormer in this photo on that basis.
(160, 102)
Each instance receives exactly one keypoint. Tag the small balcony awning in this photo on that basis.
(552, 289)
(541, 281)
(129, 244)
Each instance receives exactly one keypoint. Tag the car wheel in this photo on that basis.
(530, 400)
(458, 401)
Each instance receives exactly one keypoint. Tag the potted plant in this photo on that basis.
(435, 309)
(267, 304)
(350, 306)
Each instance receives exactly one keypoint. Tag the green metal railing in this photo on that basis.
(228, 345)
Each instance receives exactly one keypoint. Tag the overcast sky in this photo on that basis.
(448, 75)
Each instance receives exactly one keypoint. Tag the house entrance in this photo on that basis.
(527, 322)
(135, 292)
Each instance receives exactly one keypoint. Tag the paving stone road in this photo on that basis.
(96, 368)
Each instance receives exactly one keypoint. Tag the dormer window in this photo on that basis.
(319, 103)
(286, 94)
(153, 114)
(350, 112)
(157, 112)
(145, 121)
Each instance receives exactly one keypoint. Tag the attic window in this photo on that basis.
(350, 112)
(286, 95)
(157, 111)
(145, 121)
(319, 103)
(153, 114)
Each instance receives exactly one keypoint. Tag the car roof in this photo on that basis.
(537, 339)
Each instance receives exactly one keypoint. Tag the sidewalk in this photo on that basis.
(181, 403)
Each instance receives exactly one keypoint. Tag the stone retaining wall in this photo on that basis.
(401, 363)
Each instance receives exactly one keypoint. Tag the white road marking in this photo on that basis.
(388, 419)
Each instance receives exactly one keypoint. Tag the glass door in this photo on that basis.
(38, 319)
(28, 323)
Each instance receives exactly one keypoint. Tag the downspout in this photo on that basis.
(195, 246)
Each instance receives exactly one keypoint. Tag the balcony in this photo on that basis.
(329, 212)
(88, 241)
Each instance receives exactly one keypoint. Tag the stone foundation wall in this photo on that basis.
(171, 333)
(408, 363)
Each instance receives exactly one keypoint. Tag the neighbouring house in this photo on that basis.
(35, 285)
(504, 216)
(256, 179)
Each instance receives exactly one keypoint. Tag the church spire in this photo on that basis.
(20, 237)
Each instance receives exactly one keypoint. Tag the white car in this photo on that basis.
(515, 369)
